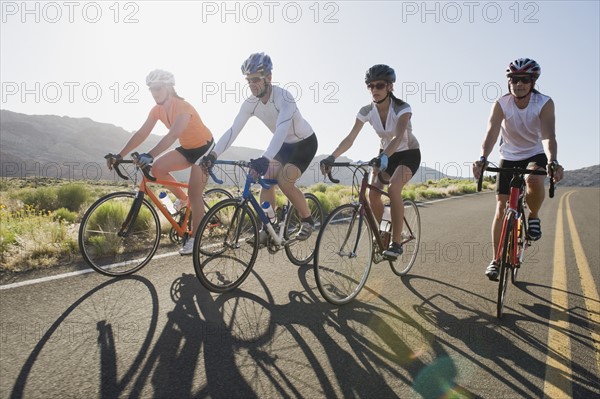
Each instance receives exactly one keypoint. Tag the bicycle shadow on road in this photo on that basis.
(499, 341)
(89, 335)
(242, 344)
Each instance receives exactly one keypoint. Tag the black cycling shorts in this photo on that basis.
(195, 155)
(503, 179)
(299, 154)
(408, 158)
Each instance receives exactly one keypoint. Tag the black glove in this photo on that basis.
(112, 159)
(328, 161)
(208, 161)
(260, 165)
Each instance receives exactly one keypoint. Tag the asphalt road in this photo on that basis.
(431, 334)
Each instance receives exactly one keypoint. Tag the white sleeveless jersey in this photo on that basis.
(280, 114)
(369, 114)
(521, 129)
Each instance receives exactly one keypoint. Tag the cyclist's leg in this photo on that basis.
(498, 219)
(198, 180)
(287, 176)
(401, 176)
(375, 199)
(167, 163)
(269, 195)
(535, 185)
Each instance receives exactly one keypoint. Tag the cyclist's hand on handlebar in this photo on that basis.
(144, 160)
(112, 159)
(209, 160)
(556, 171)
(258, 167)
(326, 163)
(478, 167)
(380, 162)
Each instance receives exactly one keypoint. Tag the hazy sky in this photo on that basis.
(90, 59)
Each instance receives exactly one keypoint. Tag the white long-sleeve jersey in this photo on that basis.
(280, 114)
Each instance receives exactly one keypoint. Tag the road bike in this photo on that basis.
(225, 252)
(350, 241)
(120, 232)
(513, 239)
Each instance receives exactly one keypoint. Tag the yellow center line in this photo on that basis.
(590, 293)
(557, 383)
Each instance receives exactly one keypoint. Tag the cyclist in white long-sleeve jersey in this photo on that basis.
(294, 143)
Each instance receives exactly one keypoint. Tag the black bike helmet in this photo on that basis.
(380, 72)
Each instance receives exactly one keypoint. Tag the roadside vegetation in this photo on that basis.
(39, 217)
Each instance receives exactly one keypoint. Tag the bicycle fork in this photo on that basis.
(132, 215)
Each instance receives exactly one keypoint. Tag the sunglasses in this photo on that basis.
(254, 80)
(516, 79)
(155, 89)
(378, 86)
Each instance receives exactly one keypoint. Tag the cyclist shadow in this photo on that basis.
(252, 347)
(491, 338)
(96, 328)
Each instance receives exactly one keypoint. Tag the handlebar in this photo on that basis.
(242, 164)
(357, 164)
(516, 171)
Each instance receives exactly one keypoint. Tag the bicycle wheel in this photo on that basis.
(301, 252)
(226, 246)
(343, 254)
(104, 241)
(411, 239)
(505, 267)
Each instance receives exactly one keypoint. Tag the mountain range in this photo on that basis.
(74, 148)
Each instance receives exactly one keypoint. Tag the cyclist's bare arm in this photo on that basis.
(399, 133)
(177, 128)
(139, 136)
(491, 136)
(548, 127)
(347, 142)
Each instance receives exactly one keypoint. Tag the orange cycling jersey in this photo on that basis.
(195, 135)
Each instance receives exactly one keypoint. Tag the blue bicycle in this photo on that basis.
(227, 242)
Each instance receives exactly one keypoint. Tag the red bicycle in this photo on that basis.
(513, 239)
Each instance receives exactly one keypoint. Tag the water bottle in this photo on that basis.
(268, 209)
(166, 201)
(385, 226)
(386, 220)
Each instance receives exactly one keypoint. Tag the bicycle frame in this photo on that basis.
(515, 211)
(365, 206)
(181, 227)
(248, 197)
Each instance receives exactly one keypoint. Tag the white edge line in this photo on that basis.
(85, 271)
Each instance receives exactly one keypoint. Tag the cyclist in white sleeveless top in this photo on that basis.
(524, 120)
(399, 155)
(292, 148)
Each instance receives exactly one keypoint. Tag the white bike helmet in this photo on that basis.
(523, 66)
(160, 77)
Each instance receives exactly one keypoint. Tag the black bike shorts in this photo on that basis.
(195, 155)
(299, 154)
(503, 179)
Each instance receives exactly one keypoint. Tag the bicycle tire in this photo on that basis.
(225, 249)
(411, 239)
(505, 267)
(302, 252)
(104, 249)
(340, 271)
